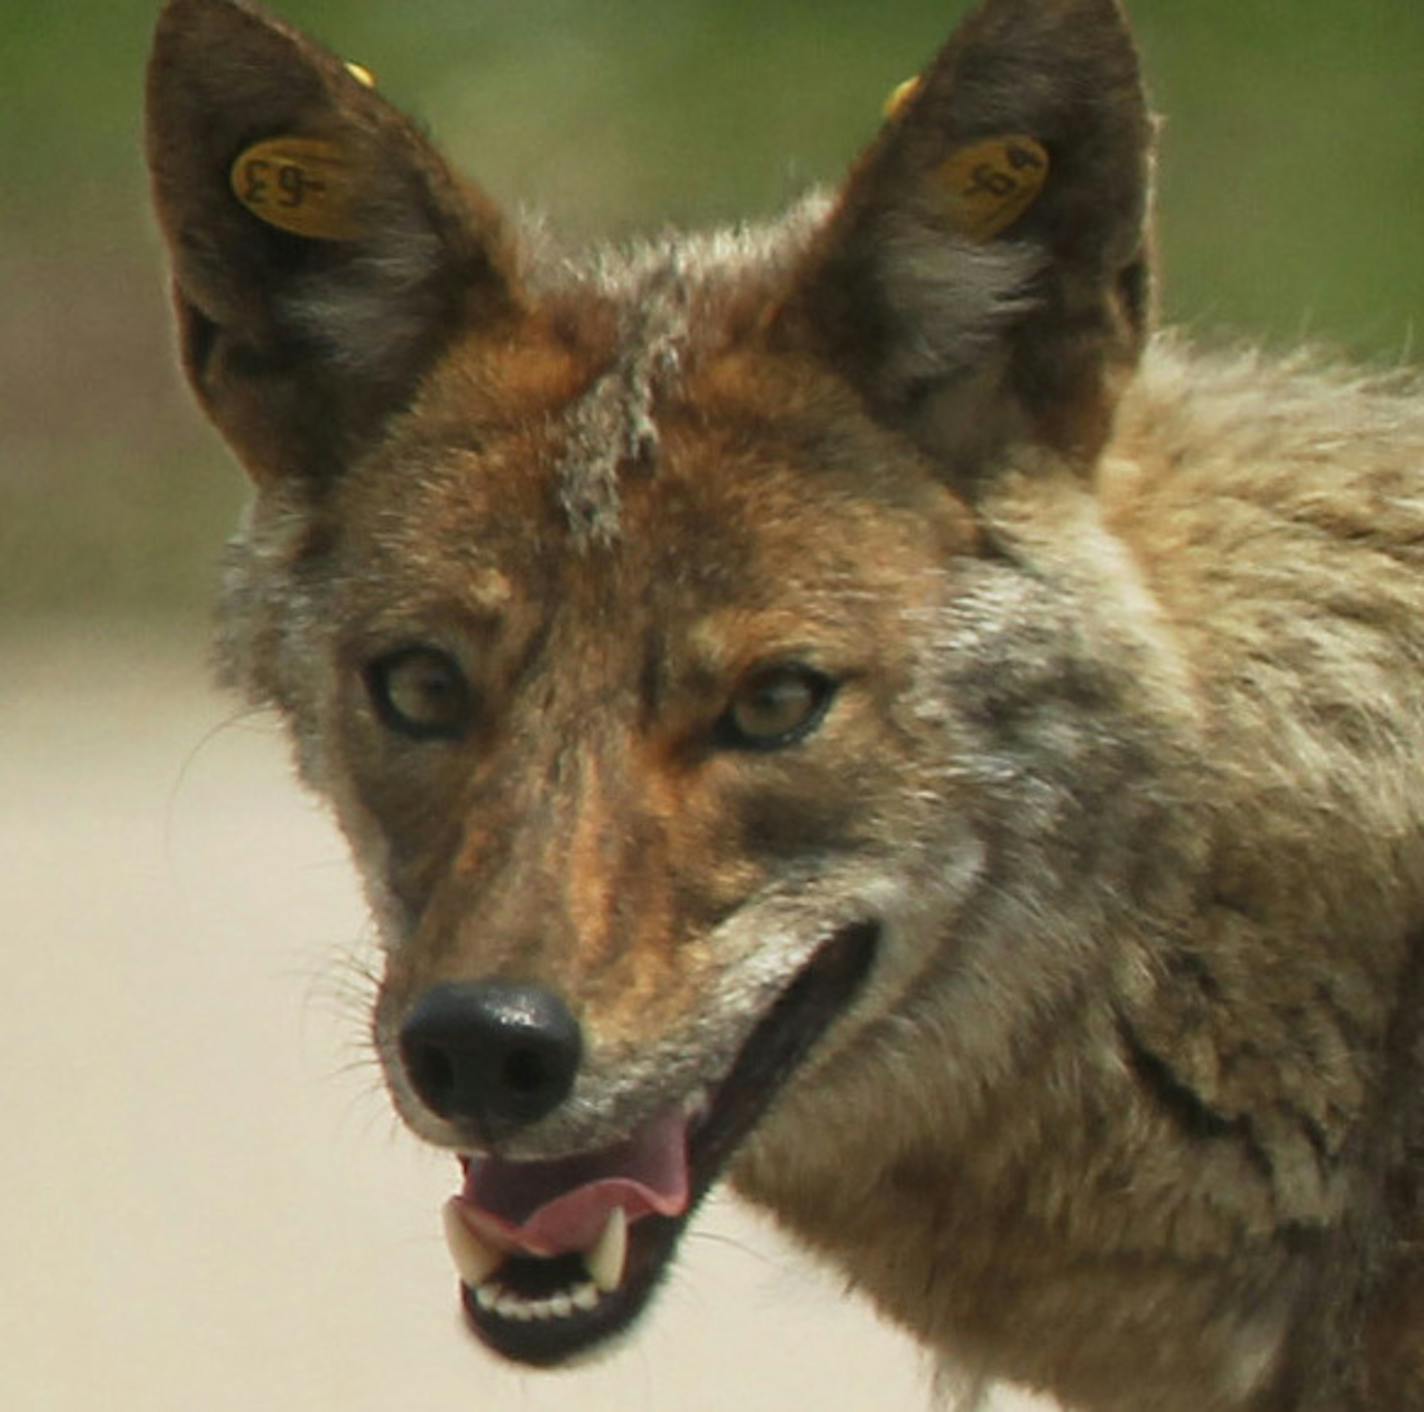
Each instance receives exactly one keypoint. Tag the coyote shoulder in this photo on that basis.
(847, 707)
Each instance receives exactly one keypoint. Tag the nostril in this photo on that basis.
(432, 1074)
(492, 1052)
(527, 1071)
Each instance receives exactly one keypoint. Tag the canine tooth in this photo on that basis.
(585, 1296)
(606, 1260)
(474, 1261)
(487, 1296)
(561, 1306)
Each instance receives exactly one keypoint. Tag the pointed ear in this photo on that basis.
(322, 252)
(984, 277)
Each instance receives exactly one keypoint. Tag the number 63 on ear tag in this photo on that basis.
(302, 185)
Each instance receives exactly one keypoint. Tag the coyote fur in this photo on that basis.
(845, 706)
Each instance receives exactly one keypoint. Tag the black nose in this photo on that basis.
(492, 1054)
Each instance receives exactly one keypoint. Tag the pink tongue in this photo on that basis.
(552, 1208)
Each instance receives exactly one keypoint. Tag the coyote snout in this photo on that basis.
(490, 1057)
(555, 1253)
(844, 705)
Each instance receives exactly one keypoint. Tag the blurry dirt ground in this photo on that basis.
(207, 1204)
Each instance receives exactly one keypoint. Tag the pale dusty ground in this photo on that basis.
(206, 1205)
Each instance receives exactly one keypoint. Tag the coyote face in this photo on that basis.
(655, 761)
(817, 704)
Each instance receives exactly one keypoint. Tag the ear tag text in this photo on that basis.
(302, 185)
(990, 184)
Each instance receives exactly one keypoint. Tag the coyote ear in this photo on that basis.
(322, 252)
(983, 278)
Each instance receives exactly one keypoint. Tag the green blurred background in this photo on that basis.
(1290, 203)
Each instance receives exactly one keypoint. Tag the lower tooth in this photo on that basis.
(493, 1298)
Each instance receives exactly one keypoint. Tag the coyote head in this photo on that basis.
(660, 623)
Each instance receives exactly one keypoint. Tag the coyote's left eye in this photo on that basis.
(776, 707)
(421, 692)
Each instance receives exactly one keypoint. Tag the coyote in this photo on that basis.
(845, 706)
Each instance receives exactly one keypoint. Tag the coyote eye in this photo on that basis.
(422, 693)
(776, 707)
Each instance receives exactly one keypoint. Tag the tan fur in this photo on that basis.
(1121, 768)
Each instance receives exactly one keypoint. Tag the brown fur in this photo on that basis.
(1122, 762)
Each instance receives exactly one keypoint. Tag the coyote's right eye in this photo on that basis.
(422, 693)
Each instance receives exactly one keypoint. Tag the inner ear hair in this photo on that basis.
(323, 253)
(984, 275)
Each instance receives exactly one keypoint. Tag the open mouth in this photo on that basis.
(554, 1257)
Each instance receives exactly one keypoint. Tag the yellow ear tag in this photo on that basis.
(901, 96)
(990, 184)
(298, 184)
(360, 73)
